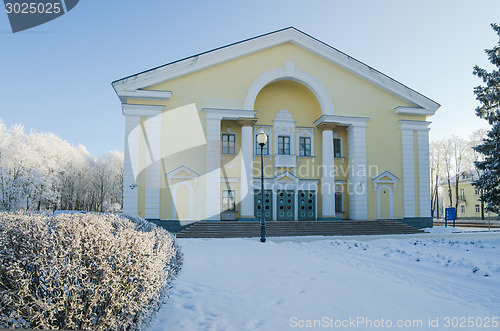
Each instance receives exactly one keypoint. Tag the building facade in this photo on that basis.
(345, 142)
(469, 205)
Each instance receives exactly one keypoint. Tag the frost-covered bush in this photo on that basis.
(82, 271)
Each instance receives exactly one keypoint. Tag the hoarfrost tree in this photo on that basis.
(488, 96)
(436, 155)
(40, 171)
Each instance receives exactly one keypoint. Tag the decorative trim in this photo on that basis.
(342, 120)
(391, 201)
(173, 175)
(141, 110)
(257, 44)
(143, 95)
(190, 199)
(228, 114)
(415, 125)
(289, 72)
(416, 111)
(307, 133)
(377, 180)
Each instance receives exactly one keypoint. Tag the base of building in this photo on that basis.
(417, 222)
(171, 226)
(248, 219)
(329, 218)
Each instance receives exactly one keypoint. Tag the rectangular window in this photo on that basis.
(476, 191)
(462, 209)
(283, 145)
(461, 194)
(228, 143)
(477, 209)
(339, 206)
(337, 147)
(304, 146)
(265, 150)
(228, 200)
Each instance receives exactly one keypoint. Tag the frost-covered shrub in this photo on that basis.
(82, 271)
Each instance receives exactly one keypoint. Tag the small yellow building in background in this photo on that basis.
(469, 205)
(345, 142)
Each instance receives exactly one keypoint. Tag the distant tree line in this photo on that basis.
(450, 158)
(42, 172)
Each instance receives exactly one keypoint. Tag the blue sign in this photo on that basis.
(449, 215)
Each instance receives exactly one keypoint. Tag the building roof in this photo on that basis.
(130, 84)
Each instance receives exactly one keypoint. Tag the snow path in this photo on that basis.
(242, 284)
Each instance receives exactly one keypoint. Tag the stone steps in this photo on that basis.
(234, 229)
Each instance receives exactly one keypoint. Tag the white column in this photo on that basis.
(424, 173)
(328, 179)
(131, 162)
(408, 173)
(152, 170)
(246, 175)
(212, 178)
(409, 193)
(358, 191)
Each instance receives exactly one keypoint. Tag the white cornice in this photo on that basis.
(141, 110)
(413, 111)
(124, 95)
(228, 114)
(415, 125)
(254, 45)
(342, 120)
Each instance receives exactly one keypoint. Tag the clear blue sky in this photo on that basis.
(56, 77)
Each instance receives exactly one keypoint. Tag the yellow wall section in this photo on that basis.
(141, 178)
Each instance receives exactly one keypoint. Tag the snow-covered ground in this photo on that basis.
(418, 282)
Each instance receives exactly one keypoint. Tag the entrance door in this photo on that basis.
(307, 205)
(286, 205)
(268, 204)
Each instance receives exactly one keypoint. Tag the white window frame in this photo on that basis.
(476, 191)
(304, 132)
(341, 147)
(289, 144)
(235, 143)
(341, 194)
(462, 209)
(477, 209)
(234, 198)
(268, 131)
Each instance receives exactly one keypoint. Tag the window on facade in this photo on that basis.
(265, 150)
(477, 209)
(462, 209)
(339, 206)
(476, 191)
(461, 194)
(337, 147)
(228, 143)
(304, 146)
(228, 200)
(283, 145)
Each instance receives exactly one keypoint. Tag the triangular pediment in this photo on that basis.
(136, 86)
(182, 172)
(286, 177)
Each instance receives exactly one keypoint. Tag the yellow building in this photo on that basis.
(469, 205)
(344, 140)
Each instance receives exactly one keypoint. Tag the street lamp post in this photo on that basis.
(262, 139)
